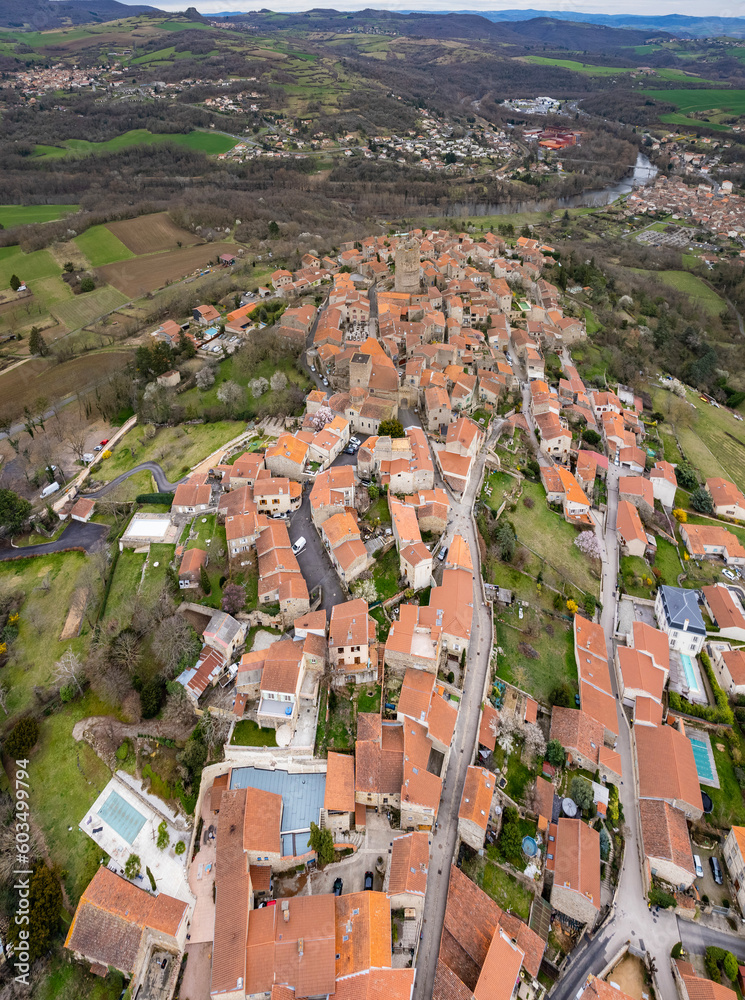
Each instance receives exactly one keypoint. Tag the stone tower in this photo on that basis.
(407, 267)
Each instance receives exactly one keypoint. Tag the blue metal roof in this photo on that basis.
(302, 794)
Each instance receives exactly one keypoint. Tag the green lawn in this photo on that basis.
(249, 734)
(729, 809)
(519, 776)
(638, 579)
(26, 215)
(155, 576)
(66, 779)
(203, 528)
(732, 101)
(667, 561)
(127, 576)
(385, 572)
(71, 979)
(48, 583)
(500, 483)
(549, 536)
(176, 449)
(205, 142)
(99, 245)
(366, 702)
(589, 69)
(196, 402)
(507, 891)
(554, 664)
(27, 266)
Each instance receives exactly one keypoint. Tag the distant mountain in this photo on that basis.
(470, 25)
(39, 14)
(675, 24)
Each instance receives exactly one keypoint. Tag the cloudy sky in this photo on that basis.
(690, 7)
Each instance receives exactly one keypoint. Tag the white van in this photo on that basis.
(698, 866)
(299, 545)
(48, 490)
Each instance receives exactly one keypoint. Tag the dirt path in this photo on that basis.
(105, 734)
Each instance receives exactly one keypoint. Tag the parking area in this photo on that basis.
(706, 885)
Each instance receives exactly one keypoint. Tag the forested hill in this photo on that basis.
(40, 14)
(539, 30)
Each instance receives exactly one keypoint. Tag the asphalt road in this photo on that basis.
(158, 475)
(76, 535)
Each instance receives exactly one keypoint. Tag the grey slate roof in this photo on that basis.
(679, 605)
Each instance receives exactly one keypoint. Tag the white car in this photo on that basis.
(299, 545)
(729, 574)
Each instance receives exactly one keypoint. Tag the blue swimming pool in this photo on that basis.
(691, 679)
(702, 757)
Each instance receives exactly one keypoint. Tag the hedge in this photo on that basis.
(657, 897)
(721, 713)
(164, 498)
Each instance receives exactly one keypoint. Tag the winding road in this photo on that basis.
(75, 536)
(158, 475)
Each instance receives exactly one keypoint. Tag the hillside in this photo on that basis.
(40, 14)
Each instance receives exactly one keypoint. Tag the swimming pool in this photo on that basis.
(691, 679)
(702, 757)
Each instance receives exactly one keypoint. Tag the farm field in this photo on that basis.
(151, 233)
(694, 288)
(205, 142)
(84, 309)
(28, 266)
(24, 385)
(591, 70)
(732, 101)
(100, 246)
(26, 215)
(713, 441)
(141, 275)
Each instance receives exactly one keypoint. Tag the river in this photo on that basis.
(644, 172)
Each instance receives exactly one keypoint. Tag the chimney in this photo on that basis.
(685, 625)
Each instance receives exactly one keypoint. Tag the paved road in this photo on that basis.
(76, 534)
(466, 733)
(158, 475)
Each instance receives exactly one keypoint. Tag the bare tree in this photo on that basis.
(173, 640)
(75, 434)
(125, 650)
(215, 729)
(68, 669)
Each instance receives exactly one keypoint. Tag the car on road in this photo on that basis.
(698, 866)
(368, 880)
(338, 886)
(716, 870)
(313, 368)
(355, 440)
(325, 381)
(443, 552)
(350, 450)
(299, 545)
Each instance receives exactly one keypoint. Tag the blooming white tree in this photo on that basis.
(278, 381)
(322, 416)
(508, 729)
(587, 542)
(534, 740)
(205, 377)
(258, 387)
(365, 590)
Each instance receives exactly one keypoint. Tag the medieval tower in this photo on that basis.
(407, 266)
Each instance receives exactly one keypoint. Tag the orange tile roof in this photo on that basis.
(478, 790)
(337, 527)
(628, 523)
(443, 716)
(261, 821)
(600, 706)
(577, 731)
(636, 486)
(666, 766)
(488, 727)
(350, 624)
(416, 694)
(261, 877)
(653, 641)
(363, 932)
(231, 894)
(459, 554)
(597, 989)
(448, 986)
(339, 794)
(698, 536)
(639, 672)
(409, 864)
(289, 446)
(665, 834)
(726, 613)
(501, 969)
(577, 859)
(724, 493)
(192, 561)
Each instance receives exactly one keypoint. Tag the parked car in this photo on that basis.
(98, 447)
(698, 866)
(368, 880)
(716, 870)
(299, 545)
(105, 441)
(350, 450)
(325, 381)
(48, 490)
(729, 574)
(338, 887)
(442, 554)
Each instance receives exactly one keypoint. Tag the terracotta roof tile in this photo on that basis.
(577, 859)
(363, 932)
(488, 727)
(478, 790)
(339, 795)
(666, 767)
(665, 834)
(261, 821)
(409, 864)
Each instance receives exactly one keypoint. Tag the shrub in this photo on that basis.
(152, 696)
(686, 476)
(555, 753)
(702, 501)
(132, 866)
(180, 847)
(22, 738)
(730, 966)
(123, 751)
(150, 875)
(677, 950)
(164, 838)
(658, 897)
(87, 284)
(162, 498)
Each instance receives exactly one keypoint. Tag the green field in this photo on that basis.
(695, 288)
(25, 215)
(28, 266)
(552, 640)
(84, 309)
(732, 101)
(99, 245)
(177, 449)
(591, 70)
(205, 142)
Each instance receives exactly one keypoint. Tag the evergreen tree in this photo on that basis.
(36, 343)
(204, 581)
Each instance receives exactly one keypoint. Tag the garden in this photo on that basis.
(537, 651)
